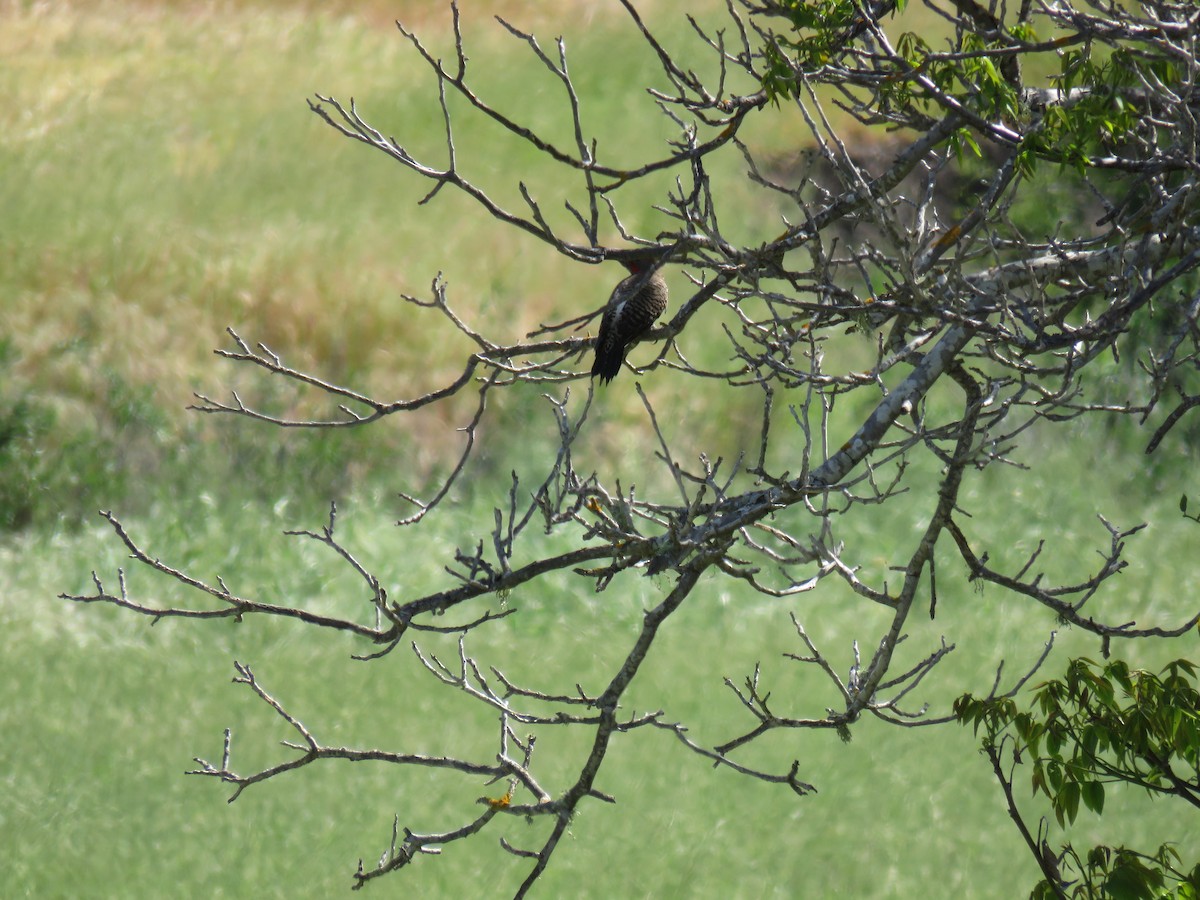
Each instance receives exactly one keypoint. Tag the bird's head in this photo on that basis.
(640, 262)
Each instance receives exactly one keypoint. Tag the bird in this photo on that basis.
(635, 303)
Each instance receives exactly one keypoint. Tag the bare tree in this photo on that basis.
(924, 246)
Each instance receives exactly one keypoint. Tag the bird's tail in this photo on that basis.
(608, 363)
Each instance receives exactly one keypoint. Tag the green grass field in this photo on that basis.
(161, 179)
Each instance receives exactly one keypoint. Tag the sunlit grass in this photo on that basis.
(165, 181)
(110, 710)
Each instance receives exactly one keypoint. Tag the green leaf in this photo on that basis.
(1068, 801)
(1119, 672)
(1024, 31)
(1054, 743)
(1131, 880)
(1126, 885)
(1093, 796)
(1038, 779)
(804, 17)
(1088, 739)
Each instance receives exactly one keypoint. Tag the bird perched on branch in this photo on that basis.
(635, 303)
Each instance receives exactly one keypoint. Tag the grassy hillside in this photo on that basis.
(162, 179)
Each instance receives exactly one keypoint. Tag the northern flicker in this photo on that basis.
(634, 305)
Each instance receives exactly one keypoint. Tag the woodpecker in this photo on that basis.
(634, 305)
